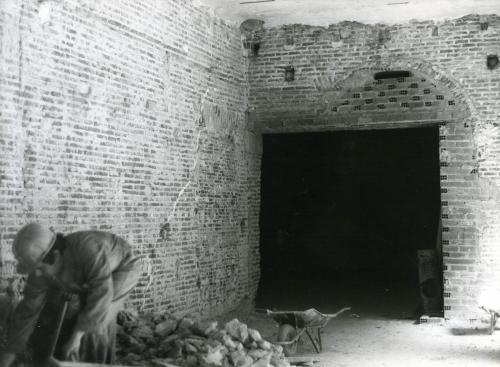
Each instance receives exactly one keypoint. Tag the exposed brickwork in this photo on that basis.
(129, 116)
(390, 94)
(335, 64)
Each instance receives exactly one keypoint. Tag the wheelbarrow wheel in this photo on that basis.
(287, 333)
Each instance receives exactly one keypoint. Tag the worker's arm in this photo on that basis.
(98, 285)
(24, 318)
(95, 272)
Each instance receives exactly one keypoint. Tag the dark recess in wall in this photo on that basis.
(390, 74)
(346, 210)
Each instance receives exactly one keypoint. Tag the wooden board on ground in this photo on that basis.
(302, 360)
(56, 363)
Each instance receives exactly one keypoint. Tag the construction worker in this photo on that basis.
(94, 270)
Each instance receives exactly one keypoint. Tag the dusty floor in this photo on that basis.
(350, 341)
(380, 330)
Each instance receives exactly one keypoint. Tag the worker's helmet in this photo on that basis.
(32, 243)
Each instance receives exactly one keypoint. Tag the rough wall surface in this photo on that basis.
(334, 88)
(129, 116)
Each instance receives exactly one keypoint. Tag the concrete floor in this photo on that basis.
(353, 341)
(371, 342)
(380, 330)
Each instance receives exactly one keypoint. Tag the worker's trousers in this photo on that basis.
(98, 347)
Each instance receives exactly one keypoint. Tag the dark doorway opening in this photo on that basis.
(343, 215)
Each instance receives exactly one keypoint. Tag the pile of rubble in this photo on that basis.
(162, 340)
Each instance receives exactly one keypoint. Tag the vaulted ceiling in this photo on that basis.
(325, 12)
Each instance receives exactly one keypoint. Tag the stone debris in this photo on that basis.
(255, 335)
(165, 328)
(164, 341)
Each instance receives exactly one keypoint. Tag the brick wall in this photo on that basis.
(129, 116)
(450, 85)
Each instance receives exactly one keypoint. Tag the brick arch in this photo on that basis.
(316, 112)
(420, 67)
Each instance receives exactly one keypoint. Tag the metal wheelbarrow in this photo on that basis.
(292, 324)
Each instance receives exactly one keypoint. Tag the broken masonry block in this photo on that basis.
(236, 356)
(257, 354)
(191, 361)
(143, 331)
(204, 328)
(175, 352)
(254, 335)
(229, 343)
(132, 358)
(165, 362)
(196, 343)
(251, 344)
(190, 348)
(184, 326)
(239, 346)
(167, 344)
(264, 344)
(132, 344)
(237, 330)
(128, 315)
(247, 361)
(170, 339)
(263, 362)
(277, 349)
(158, 317)
(275, 362)
(214, 356)
(150, 353)
(165, 328)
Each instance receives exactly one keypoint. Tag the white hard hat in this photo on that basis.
(30, 246)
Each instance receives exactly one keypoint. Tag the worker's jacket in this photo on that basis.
(91, 261)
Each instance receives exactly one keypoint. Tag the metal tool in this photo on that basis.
(54, 336)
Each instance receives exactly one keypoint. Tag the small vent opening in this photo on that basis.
(392, 74)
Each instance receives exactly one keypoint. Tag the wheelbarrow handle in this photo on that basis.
(271, 312)
(338, 312)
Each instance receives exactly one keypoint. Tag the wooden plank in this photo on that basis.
(82, 364)
(303, 359)
(56, 363)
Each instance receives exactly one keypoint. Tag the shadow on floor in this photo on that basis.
(374, 300)
(469, 331)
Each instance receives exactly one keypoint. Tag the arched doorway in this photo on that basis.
(421, 97)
